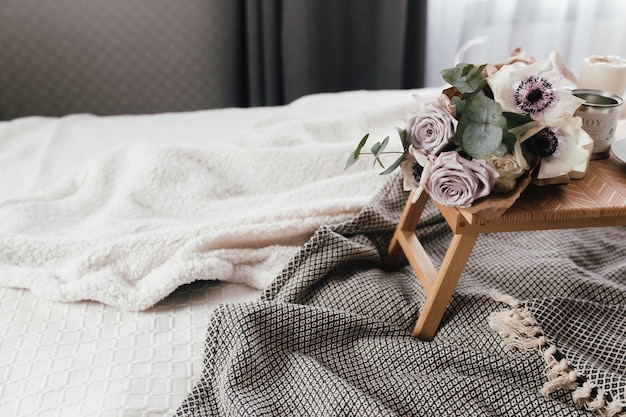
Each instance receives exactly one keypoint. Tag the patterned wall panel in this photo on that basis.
(109, 57)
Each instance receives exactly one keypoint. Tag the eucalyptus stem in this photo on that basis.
(381, 153)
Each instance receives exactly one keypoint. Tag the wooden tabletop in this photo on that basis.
(598, 199)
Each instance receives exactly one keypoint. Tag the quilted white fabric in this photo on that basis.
(90, 359)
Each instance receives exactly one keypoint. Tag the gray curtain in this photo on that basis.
(150, 56)
(298, 47)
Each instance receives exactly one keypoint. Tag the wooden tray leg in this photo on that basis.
(408, 223)
(438, 297)
(438, 285)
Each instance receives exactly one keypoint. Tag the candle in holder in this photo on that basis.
(606, 73)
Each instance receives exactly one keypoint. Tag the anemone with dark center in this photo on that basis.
(543, 143)
(417, 170)
(534, 95)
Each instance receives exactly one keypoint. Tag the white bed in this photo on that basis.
(89, 332)
(62, 354)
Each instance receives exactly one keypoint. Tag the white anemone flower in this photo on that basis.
(416, 169)
(563, 147)
(540, 90)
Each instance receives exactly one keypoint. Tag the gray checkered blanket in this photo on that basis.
(536, 327)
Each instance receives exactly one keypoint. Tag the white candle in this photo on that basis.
(607, 73)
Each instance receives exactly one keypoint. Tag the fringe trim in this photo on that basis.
(519, 330)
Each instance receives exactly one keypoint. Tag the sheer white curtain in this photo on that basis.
(574, 28)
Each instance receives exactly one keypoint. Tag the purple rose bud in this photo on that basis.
(456, 181)
(431, 129)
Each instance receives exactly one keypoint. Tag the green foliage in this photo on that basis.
(459, 105)
(481, 128)
(377, 150)
(508, 140)
(516, 119)
(467, 78)
(354, 156)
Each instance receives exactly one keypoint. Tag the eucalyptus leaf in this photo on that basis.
(459, 106)
(354, 156)
(378, 149)
(509, 139)
(501, 151)
(375, 149)
(481, 129)
(393, 166)
(467, 69)
(516, 119)
(467, 78)
(403, 137)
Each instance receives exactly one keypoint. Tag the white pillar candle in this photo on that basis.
(607, 73)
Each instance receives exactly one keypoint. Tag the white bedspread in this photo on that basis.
(123, 210)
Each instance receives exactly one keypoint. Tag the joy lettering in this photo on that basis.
(599, 123)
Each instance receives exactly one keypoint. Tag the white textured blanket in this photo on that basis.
(123, 210)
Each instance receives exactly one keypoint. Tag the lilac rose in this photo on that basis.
(431, 129)
(456, 181)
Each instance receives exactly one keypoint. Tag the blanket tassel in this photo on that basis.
(519, 330)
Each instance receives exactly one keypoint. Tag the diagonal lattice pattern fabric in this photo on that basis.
(332, 336)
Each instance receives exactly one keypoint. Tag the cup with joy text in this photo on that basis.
(600, 113)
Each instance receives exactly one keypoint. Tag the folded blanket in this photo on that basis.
(331, 336)
(136, 221)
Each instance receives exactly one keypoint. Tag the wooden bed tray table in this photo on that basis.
(598, 199)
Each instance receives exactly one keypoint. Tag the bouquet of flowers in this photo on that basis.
(495, 129)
